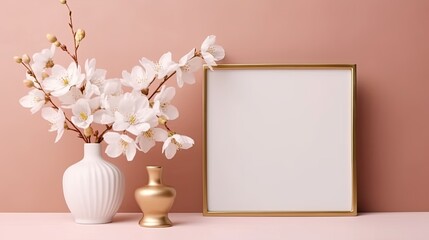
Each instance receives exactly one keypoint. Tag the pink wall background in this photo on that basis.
(387, 39)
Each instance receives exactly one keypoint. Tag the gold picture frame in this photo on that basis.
(221, 83)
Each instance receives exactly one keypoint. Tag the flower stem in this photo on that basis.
(165, 125)
(160, 85)
(74, 35)
(100, 138)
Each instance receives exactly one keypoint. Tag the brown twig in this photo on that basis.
(165, 125)
(162, 83)
(100, 138)
(73, 33)
(166, 78)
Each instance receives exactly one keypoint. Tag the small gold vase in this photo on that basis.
(155, 200)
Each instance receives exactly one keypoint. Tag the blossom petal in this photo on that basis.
(145, 143)
(188, 77)
(169, 94)
(103, 116)
(218, 53)
(210, 40)
(59, 134)
(60, 92)
(183, 60)
(37, 107)
(171, 112)
(186, 142)
(130, 152)
(159, 134)
(209, 59)
(27, 101)
(111, 137)
(166, 143)
(81, 106)
(179, 78)
(170, 151)
(51, 84)
(71, 96)
(113, 150)
(49, 114)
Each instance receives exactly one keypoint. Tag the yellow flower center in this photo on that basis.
(132, 120)
(211, 50)
(148, 134)
(179, 146)
(36, 99)
(140, 80)
(158, 67)
(186, 68)
(65, 80)
(124, 144)
(83, 116)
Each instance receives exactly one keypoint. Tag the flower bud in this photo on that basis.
(145, 91)
(44, 75)
(171, 133)
(26, 59)
(17, 59)
(88, 132)
(57, 44)
(63, 1)
(80, 34)
(162, 120)
(51, 38)
(28, 83)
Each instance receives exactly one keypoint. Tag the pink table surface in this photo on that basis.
(60, 226)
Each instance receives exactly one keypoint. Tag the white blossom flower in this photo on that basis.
(43, 59)
(163, 104)
(109, 105)
(94, 77)
(57, 120)
(61, 80)
(70, 97)
(111, 87)
(34, 100)
(109, 102)
(134, 114)
(211, 52)
(82, 115)
(165, 66)
(147, 139)
(139, 78)
(175, 143)
(118, 144)
(188, 64)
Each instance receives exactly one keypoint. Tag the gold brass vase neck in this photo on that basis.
(155, 175)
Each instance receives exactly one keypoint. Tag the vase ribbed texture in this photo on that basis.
(93, 188)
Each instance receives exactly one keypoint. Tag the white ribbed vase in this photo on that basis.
(93, 188)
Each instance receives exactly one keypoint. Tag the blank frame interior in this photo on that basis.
(279, 140)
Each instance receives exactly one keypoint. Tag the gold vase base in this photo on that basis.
(155, 222)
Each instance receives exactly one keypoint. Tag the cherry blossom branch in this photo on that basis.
(48, 98)
(165, 125)
(153, 80)
(160, 85)
(76, 46)
(64, 48)
(197, 54)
